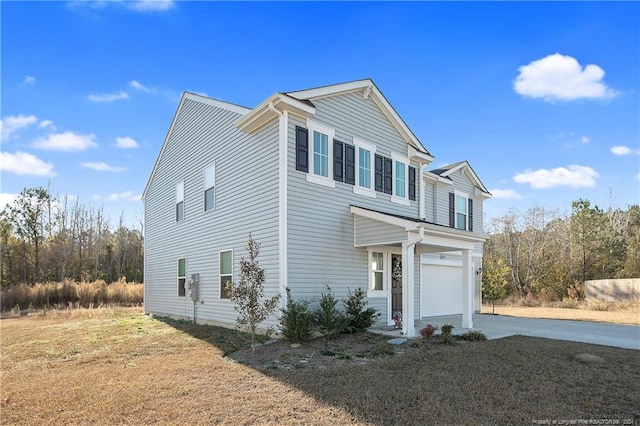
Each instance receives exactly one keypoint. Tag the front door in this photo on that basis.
(396, 285)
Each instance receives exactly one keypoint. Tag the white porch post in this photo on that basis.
(467, 289)
(408, 289)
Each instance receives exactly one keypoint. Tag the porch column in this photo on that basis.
(408, 289)
(467, 289)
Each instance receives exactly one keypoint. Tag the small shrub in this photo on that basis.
(446, 338)
(328, 319)
(473, 336)
(358, 315)
(428, 331)
(383, 348)
(296, 321)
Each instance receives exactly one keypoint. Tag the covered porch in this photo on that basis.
(407, 239)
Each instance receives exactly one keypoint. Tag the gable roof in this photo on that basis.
(464, 167)
(198, 98)
(371, 91)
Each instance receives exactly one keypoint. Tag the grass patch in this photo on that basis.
(117, 366)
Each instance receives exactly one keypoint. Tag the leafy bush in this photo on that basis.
(446, 338)
(329, 320)
(428, 331)
(473, 336)
(296, 321)
(359, 316)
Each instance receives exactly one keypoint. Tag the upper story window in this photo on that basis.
(180, 201)
(320, 154)
(209, 187)
(400, 180)
(460, 211)
(364, 167)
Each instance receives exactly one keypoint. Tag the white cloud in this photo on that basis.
(13, 123)
(638, 176)
(6, 198)
(109, 97)
(622, 150)
(126, 195)
(22, 163)
(574, 176)
(102, 167)
(585, 140)
(126, 142)
(29, 80)
(150, 5)
(66, 141)
(45, 123)
(505, 194)
(559, 77)
(139, 86)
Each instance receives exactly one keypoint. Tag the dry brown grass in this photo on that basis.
(617, 313)
(116, 366)
(68, 293)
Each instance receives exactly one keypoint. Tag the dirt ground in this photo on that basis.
(626, 316)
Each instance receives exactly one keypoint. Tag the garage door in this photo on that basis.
(441, 289)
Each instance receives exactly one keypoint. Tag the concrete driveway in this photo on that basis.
(498, 326)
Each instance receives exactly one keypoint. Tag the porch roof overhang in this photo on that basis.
(391, 229)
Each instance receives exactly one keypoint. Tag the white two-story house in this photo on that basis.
(338, 191)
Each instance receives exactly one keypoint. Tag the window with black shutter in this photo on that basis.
(388, 175)
(379, 173)
(338, 161)
(349, 164)
(470, 215)
(302, 149)
(452, 210)
(412, 183)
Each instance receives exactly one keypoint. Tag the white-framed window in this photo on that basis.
(320, 154)
(226, 272)
(182, 277)
(365, 170)
(376, 268)
(209, 187)
(400, 180)
(462, 210)
(180, 201)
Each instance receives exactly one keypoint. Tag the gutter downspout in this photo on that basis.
(421, 207)
(408, 283)
(283, 123)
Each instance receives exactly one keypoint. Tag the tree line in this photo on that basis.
(539, 253)
(45, 238)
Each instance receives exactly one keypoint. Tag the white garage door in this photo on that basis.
(441, 289)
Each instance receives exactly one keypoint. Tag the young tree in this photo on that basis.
(248, 293)
(495, 278)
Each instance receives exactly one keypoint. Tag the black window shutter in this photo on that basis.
(470, 214)
(349, 164)
(338, 161)
(388, 176)
(452, 210)
(302, 149)
(379, 173)
(412, 183)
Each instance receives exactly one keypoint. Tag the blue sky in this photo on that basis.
(541, 98)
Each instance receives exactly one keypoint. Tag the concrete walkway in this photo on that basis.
(498, 326)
